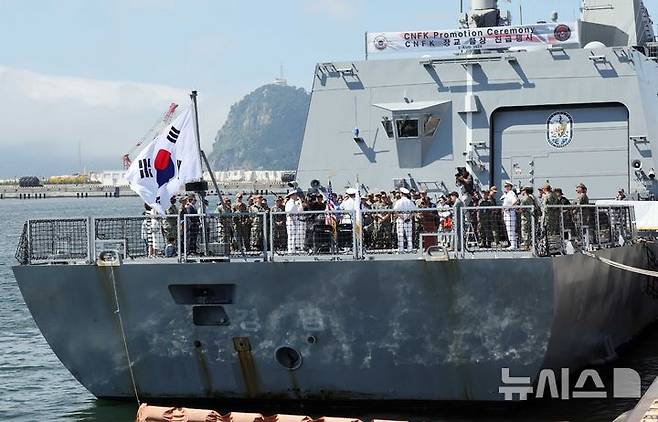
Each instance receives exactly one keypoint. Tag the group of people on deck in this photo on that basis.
(392, 220)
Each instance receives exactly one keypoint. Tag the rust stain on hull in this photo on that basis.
(204, 371)
(242, 347)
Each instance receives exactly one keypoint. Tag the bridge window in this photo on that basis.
(388, 126)
(407, 128)
(430, 126)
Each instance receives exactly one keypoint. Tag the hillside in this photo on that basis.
(263, 131)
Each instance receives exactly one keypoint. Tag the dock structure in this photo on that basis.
(64, 191)
(148, 413)
(646, 409)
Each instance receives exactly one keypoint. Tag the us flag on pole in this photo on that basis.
(330, 217)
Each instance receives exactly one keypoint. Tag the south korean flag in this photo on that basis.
(167, 163)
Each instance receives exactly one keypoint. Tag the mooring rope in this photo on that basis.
(123, 335)
(620, 266)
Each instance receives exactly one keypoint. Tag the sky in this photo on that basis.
(83, 80)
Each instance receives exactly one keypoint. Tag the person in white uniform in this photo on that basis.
(294, 223)
(510, 199)
(403, 222)
(348, 205)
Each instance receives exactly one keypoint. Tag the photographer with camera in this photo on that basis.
(464, 180)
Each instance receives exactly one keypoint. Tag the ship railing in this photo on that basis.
(138, 237)
(63, 240)
(217, 237)
(496, 230)
(409, 233)
(569, 228)
(312, 235)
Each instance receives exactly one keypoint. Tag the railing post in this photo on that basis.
(178, 238)
(354, 233)
(598, 226)
(271, 237)
(91, 240)
(29, 241)
(185, 238)
(459, 241)
(562, 247)
(533, 233)
(264, 242)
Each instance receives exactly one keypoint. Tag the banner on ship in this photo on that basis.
(494, 38)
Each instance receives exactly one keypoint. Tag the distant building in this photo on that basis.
(240, 178)
(109, 178)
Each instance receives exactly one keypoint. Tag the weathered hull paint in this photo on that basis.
(375, 330)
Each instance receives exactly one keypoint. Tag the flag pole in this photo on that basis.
(202, 155)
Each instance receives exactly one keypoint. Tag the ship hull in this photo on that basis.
(365, 330)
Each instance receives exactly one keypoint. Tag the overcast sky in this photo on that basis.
(97, 74)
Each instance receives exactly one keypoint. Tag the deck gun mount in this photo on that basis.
(484, 13)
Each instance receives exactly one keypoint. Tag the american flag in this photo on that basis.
(330, 216)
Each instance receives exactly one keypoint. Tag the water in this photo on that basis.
(35, 386)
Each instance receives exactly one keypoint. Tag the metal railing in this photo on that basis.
(497, 229)
(230, 235)
(54, 240)
(464, 232)
(313, 234)
(390, 232)
(138, 237)
(586, 227)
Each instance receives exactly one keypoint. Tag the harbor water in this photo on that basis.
(35, 386)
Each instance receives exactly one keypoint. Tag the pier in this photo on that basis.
(64, 191)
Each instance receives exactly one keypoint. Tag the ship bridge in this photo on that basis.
(561, 102)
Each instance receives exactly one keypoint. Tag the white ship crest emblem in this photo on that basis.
(559, 132)
(381, 42)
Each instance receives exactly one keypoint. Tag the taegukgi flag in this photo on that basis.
(167, 163)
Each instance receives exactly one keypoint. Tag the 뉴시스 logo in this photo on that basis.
(626, 384)
(380, 42)
(559, 129)
(562, 32)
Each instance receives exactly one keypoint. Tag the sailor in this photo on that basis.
(256, 210)
(348, 205)
(584, 215)
(566, 210)
(527, 200)
(403, 221)
(242, 223)
(170, 228)
(510, 199)
(581, 195)
(193, 225)
(294, 224)
(485, 220)
(225, 228)
(551, 215)
(279, 221)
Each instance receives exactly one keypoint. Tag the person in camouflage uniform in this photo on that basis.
(567, 213)
(527, 200)
(170, 224)
(225, 229)
(497, 224)
(486, 220)
(585, 215)
(256, 235)
(550, 216)
(242, 224)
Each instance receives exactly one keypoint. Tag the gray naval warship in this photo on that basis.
(350, 318)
